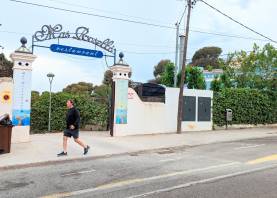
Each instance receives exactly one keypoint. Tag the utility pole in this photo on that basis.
(176, 55)
(180, 103)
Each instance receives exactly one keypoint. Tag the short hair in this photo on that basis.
(71, 101)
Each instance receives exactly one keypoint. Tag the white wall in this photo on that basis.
(6, 87)
(153, 117)
(19, 133)
(198, 126)
(149, 117)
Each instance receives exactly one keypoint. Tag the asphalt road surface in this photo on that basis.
(243, 169)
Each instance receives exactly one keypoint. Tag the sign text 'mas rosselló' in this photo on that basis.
(49, 32)
(76, 51)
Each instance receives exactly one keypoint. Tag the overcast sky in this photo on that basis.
(143, 46)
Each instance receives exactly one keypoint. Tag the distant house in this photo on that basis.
(210, 75)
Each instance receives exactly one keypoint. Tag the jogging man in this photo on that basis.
(72, 128)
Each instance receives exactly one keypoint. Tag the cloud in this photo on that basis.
(66, 72)
(254, 13)
(258, 14)
(68, 69)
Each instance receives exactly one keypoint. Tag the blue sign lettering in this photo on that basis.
(76, 51)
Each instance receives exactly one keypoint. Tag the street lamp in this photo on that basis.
(50, 77)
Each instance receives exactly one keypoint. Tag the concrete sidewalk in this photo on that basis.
(43, 148)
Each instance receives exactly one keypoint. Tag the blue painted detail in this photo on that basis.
(76, 51)
(21, 117)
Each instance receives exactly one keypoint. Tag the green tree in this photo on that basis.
(225, 80)
(221, 82)
(256, 69)
(34, 96)
(91, 112)
(5, 66)
(102, 94)
(79, 88)
(209, 68)
(167, 77)
(108, 77)
(194, 78)
(159, 69)
(216, 84)
(207, 56)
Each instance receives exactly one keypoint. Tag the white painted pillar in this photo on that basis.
(21, 100)
(121, 79)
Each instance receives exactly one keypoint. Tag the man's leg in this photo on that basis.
(65, 137)
(80, 142)
(65, 144)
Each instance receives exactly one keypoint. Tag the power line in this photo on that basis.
(100, 10)
(150, 53)
(139, 22)
(181, 18)
(18, 33)
(146, 45)
(95, 15)
(127, 44)
(158, 46)
(196, 31)
(131, 21)
(262, 35)
(228, 35)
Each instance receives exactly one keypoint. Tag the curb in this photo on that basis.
(55, 162)
(133, 153)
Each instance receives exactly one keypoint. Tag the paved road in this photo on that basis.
(234, 169)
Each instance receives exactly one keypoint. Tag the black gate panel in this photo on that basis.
(189, 104)
(150, 92)
(204, 109)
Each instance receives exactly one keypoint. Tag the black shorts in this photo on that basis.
(73, 133)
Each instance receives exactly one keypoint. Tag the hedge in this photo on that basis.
(249, 106)
(91, 112)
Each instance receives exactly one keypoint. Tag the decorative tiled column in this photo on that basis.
(21, 100)
(121, 72)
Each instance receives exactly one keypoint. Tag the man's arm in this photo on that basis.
(77, 119)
